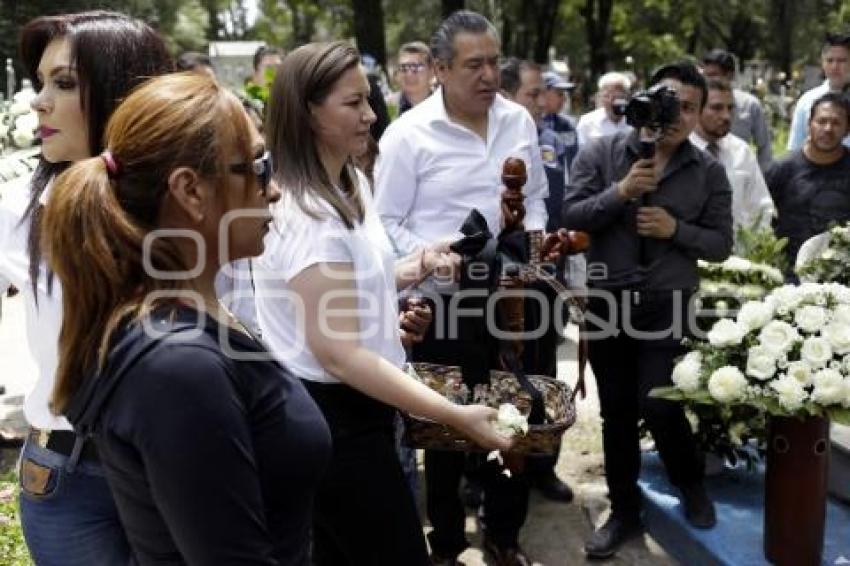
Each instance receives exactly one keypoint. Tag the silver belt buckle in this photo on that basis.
(636, 297)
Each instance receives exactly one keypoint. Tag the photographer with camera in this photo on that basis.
(653, 204)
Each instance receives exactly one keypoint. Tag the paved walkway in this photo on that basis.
(554, 534)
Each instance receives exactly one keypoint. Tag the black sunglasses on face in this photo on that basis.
(261, 167)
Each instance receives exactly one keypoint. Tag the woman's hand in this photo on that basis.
(476, 421)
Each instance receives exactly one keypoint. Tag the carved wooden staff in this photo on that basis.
(514, 178)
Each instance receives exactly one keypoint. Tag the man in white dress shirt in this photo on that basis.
(835, 62)
(603, 121)
(437, 162)
(751, 203)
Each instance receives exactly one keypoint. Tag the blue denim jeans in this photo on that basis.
(72, 520)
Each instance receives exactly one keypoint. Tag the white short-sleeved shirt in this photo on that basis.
(44, 317)
(306, 241)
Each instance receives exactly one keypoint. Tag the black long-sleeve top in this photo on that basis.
(211, 460)
(693, 189)
(808, 197)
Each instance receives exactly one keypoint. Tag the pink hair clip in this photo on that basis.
(111, 163)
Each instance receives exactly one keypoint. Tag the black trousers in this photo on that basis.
(364, 514)
(505, 499)
(627, 366)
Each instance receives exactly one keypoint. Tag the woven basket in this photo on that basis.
(504, 388)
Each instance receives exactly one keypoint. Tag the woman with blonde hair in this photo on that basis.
(212, 449)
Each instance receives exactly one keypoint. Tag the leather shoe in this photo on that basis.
(699, 510)
(605, 540)
(552, 488)
(512, 555)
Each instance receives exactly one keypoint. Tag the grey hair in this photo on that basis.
(442, 42)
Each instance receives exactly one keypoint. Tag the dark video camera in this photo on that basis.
(656, 108)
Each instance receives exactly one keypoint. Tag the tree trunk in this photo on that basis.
(547, 18)
(597, 24)
(214, 29)
(783, 16)
(369, 29)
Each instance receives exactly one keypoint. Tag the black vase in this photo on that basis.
(795, 490)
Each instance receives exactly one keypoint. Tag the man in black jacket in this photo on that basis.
(649, 221)
(811, 186)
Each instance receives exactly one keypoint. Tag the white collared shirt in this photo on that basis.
(44, 318)
(305, 241)
(597, 124)
(751, 200)
(431, 172)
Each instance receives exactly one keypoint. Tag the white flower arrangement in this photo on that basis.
(788, 354)
(19, 122)
(726, 286)
(825, 257)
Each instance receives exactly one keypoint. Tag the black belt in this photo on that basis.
(62, 442)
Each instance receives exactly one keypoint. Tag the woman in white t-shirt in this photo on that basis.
(327, 304)
(82, 65)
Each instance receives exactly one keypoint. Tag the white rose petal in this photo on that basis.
(510, 421)
(735, 263)
(727, 384)
(801, 371)
(810, 318)
(816, 351)
(726, 332)
(761, 363)
(686, 375)
(841, 314)
(22, 138)
(830, 387)
(838, 334)
(27, 122)
(754, 315)
(778, 336)
(790, 392)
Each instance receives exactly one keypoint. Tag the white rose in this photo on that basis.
(694, 356)
(754, 314)
(841, 313)
(510, 421)
(751, 292)
(727, 384)
(801, 371)
(778, 336)
(686, 375)
(761, 363)
(816, 351)
(22, 138)
(810, 318)
(708, 287)
(786, 297)
(790, 392)
(19, 107)
(735, 263)
(838, 334)
(27, 122)
(726, 332)
(830, 387)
